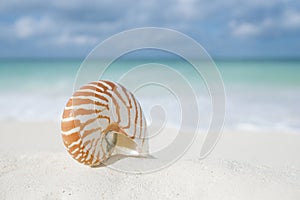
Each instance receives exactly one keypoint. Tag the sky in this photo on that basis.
(226, 29)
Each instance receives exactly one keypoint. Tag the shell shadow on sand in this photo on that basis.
(115, 158)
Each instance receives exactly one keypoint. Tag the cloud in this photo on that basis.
(287, 21)
(244, 29)
(77, 25)
(291, 19)
(186, 8)
(25, 27)
(68, 39)
(49, 32)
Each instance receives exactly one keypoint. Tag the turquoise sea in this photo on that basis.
(261, 95)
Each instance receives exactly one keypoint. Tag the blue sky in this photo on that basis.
(71, 28)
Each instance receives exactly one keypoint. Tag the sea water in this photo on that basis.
(261, 95)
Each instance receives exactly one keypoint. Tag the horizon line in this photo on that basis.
(215, 58)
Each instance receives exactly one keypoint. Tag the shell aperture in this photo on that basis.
(103, 119)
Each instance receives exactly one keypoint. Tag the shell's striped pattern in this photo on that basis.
(94, 111)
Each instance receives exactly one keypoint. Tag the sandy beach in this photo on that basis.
(244, 165)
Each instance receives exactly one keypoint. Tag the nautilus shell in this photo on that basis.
(103, 119)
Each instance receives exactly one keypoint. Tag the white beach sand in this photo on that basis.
(244, 165)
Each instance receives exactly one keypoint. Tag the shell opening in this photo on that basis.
(121, 144)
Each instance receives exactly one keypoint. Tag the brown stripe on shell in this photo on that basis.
(79, 102)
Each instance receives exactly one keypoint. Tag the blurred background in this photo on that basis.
(255, 44)
(227, 29)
